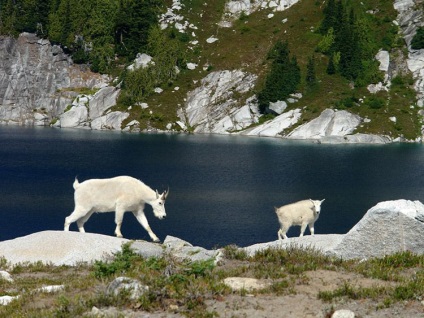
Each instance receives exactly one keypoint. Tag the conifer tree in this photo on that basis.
(329, 20)
(331, 68)
(311, 79)
(283, 79)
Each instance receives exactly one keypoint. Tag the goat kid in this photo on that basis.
(119, 194)
(303, 213)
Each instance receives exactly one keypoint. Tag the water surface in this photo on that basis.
(223, 189)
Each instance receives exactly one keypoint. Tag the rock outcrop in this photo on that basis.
(70, 248)
(276, 126)
(234, 8)
(38, 81)
(329, 123)
(387, 228)
(213, 107)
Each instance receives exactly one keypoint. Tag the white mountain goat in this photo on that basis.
(119, 194)
(302, 213)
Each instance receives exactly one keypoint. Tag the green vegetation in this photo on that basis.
(417, 42)
(327, 47)
(185, 287)
(283, 79)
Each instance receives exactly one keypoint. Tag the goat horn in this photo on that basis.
(165, 194)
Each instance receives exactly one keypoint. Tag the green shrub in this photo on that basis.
(122, 262)
(417, 42)
(375, 102)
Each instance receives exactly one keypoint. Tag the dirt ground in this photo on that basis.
(304, 303)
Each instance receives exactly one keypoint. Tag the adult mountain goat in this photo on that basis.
(119, 194)
(302, 213)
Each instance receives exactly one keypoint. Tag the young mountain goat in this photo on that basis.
(301, 213)
(119, 194)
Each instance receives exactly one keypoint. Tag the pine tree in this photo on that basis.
(329, 20)
(331, 68)
(311, 79)
(282, 80)
(417, 42)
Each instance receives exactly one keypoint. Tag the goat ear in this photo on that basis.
(157, 194)
(322, 201)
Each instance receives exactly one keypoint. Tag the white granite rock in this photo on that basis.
(6, 276)
(384, 58)
(5, 300)
(210, 107)
(59, 247)
(75, 117)
(386, 228)
(132, 286)
(321, 242)
(104, 99)
(110, 121)
(278, 107)
(329, 123)
(343, 313)
(245, 283)
(141, 60)
(356, 139)
(184, 250)
(276, 126)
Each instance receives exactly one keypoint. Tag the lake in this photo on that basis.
(223, 189)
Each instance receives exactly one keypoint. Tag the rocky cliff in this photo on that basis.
(39, 85)
(38, 81)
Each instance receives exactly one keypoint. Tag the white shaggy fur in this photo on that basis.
(119, 194)
(302, 213)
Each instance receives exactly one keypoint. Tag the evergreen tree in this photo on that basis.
(417, 42)
(311, 79)
(331, 68)
(132, 25)
(8, 17)
(329, 20)
(283, 78)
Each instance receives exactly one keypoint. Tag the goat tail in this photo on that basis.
(76, 183)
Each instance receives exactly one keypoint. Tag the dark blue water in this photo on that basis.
(223, 189)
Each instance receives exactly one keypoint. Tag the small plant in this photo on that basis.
(243, 16)
(68, 108)
(201, 268)
(375, 102)
(235, 253)
(347, 102)
(121, 263)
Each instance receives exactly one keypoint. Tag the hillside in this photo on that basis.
(213, 66)
(245, 45)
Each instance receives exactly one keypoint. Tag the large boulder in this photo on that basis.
(110, 121)
(329, 123)
(102, 101)
(60, 247)
(75, 117)
(324, 243)
(387, 228)
(185, 251)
